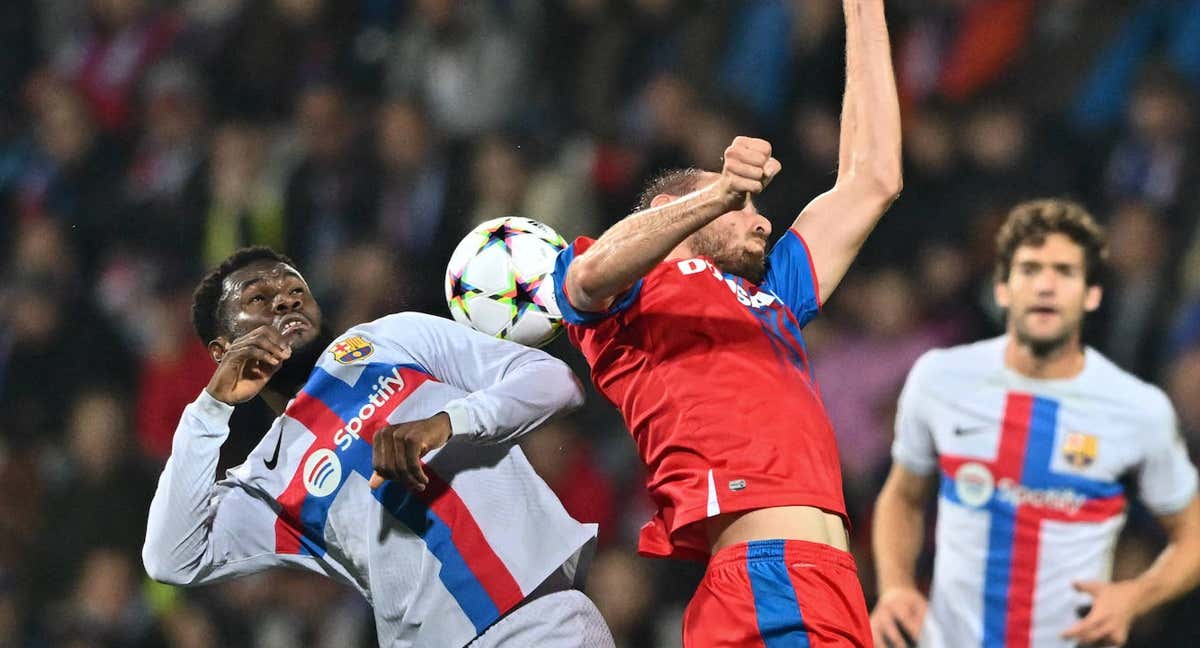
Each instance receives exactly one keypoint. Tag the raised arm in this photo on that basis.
(836, 224)
(200, 531)
(640, 241)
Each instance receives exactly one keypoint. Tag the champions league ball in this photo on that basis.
(499, 280)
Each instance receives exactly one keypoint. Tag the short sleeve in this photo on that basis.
(581, 317)
(913, 445)
(791, 277)
(1166, 477)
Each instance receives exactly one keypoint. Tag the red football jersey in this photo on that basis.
(712, 378)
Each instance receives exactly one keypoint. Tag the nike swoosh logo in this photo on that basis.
(270, 463)
(979, 429)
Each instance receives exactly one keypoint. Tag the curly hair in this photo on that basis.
(1029, 223)
(206, 300)
(673, 182)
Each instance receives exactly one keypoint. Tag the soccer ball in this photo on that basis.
(499, 282)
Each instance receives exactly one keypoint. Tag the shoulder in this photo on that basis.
(401, 323)
(1147, 401)
(957, 364)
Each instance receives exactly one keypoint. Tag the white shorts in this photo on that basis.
(564, 619)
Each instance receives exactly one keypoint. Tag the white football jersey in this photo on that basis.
(1029, 499)
(438, 566)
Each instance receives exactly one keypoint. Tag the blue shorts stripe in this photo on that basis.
(778, 612)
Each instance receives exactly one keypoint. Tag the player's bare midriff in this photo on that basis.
(807, 523)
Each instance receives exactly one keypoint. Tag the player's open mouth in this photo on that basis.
(1043, 310)
(293, 324)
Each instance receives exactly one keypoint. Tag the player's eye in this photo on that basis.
(257, 299)
(297, 291)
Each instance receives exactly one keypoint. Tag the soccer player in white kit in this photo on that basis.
(392, 468)
(1025, 437)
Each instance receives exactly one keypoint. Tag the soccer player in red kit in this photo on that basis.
(693, 331)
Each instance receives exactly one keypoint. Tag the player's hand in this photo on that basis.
(1114, 605)
(897, 618)
(399, 448)
(248, 364)
(747, 168)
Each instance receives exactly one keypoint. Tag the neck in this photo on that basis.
(681, 251)
(1064, 361)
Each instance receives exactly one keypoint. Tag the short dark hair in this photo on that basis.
(673, 182)
(1029, 223)
(206, 300)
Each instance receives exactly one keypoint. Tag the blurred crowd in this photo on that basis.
(141, 141)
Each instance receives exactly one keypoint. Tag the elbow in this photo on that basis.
(879, 183)
(576, 398)
(887, 180)
(572, 396)
(581, 282)
(156, 570)
(160, 570)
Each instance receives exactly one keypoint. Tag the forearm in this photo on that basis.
(1177, 568)
(871, 119)
(836, 224)
(640, 241)
(533, 390)
(896, 535)
(177, 530)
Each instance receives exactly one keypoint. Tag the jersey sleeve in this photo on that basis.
(199, 530)
(1166, 477)
(913, 445)
(512, 389)
(791, 277)
(571, 314)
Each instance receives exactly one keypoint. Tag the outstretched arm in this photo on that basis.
(836, 224)
(632, 247)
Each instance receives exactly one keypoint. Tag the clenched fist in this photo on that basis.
(747, 169)
(399, 448)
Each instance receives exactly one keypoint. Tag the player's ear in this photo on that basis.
(217, 348)
(661, 199)
(1091, 300)
(1000, 292)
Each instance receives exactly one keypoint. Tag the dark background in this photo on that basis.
(141, 141)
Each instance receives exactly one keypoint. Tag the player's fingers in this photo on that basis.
(891, 632)
(260, 357)
(910, 624)
(740, 169)
(383, 455)
(770, 170)
(752, 144)
(413, 449)
(270, 338)
(1088, 587)
(257, 349)
(1084, 630)
(377, 480)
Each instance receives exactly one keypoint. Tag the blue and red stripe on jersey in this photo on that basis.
(1024, 456)
(470, 569)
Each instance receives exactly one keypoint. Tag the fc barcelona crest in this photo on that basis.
(352, 349)
(1080, 449)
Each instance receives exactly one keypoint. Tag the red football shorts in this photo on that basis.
(777, 594)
